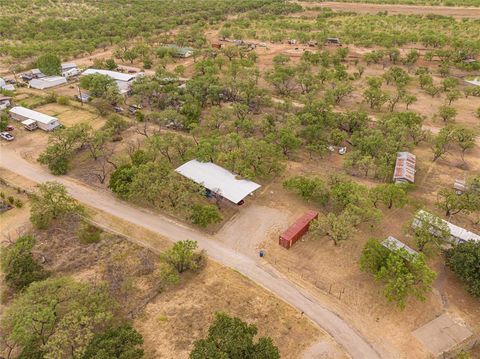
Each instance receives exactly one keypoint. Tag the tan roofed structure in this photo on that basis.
(405, 168)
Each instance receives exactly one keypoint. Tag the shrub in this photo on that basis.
(63, 100)
(18, 264)
(464, 260)
(89, 233)
(205, 215)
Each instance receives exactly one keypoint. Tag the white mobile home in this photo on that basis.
(47, 82)
(45, 122)
(457, 234)
(124, 81)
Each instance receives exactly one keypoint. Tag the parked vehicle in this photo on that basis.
(117, 109)
(7, 136)
(26, 77)
(10, 128)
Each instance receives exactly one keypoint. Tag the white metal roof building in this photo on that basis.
(218, 180)
(47, 82)
(117, 76)
(45, 122)
(123, 81)
(457, 234)
(67, 69)
(404, 168)
(392, 243)
(475, 81)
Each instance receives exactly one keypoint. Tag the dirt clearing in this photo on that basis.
(458, 12)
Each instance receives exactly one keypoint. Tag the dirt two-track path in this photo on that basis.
(259, 272)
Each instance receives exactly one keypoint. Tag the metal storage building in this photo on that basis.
(288, 238)
(457, 234)
(404, 168)
(47, 82)
(5, 86)
(393, 243)
(218, 180)
(45, 122)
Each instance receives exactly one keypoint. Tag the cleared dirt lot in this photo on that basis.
(458, 12)
(71, 115)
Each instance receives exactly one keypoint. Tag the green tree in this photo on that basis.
(110, 64)
(309, 188)
(337, 227)
(464, 260)
(423, 235)
(465, 139)
(230, 337)
(3, 121)
(98, 85)
(447, 113)
(116, 342)
(390, 194)
(121, 180)
(19, 266)
(452, 203)
(403, 274)
(203, 215)
(61, 146)
(50, 203)
(57, 317)
(443, 141)
(374, 95)
(49, 65)
(183, 256)
(116, 124)
(453, 95)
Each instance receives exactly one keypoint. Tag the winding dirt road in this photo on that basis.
(258, 271)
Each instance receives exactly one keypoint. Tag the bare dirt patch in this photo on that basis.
(458, 12)
(70, 115)
(176, 318)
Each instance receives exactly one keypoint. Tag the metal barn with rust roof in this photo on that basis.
(404, 168)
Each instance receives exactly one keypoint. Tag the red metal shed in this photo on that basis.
(297, 230)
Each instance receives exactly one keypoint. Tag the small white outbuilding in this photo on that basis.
(45, 122)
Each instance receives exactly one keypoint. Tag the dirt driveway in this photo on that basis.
(250, 227)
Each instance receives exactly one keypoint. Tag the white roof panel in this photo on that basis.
(28, 122)
(393, 243)
(475, 81)
(113, 74)
(218, 180)
(47, 82)
(34, 115)
(455, 231)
